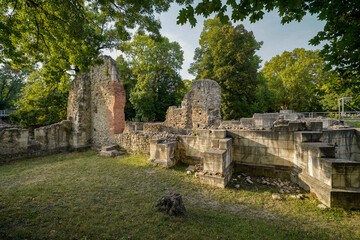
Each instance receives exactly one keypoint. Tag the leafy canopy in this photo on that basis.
(42, 103)
(340, 34)
(293, 78)
(152, 78)
(11, 82)
(69, 35)
(227, 55)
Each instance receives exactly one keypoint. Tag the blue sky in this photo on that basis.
(276, 37)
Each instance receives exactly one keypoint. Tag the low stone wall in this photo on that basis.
(15, 143)
(55, 136)
(134, 142)
(262, 147)
(13, 140)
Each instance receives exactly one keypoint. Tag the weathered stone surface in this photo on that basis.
(16, 142)
(172, 204)
(96, 105)
(79, 111)
(54, 136)
(199, 109)
(162, 152)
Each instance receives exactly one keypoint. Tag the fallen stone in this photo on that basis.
(109, 148)
(321, 206)
(191, 168)
(300, 196)
(172, 204)
(237, 185)
(276, 197)
(188, 172)
(108, 153)
(249, 181)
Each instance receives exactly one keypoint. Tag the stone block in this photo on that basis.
(217, 180)
(281, 128)
(272, 151)
(215, 160)
(316, 126)
(225, 143)
(214, 143)
(297, 126)
(162, 152)
(109, 148)
(355, 180)
(307, 136)
(111, 153)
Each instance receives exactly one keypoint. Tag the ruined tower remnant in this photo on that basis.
(96, 105)
(200, 107)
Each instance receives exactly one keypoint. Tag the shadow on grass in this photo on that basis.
(88, 196)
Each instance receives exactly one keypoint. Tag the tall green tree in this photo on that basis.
(153, 81)
(264, 102)
(69, 35)
(341, 32)
(227, 55)
(292, 78)
(11, 82)
(42, 102)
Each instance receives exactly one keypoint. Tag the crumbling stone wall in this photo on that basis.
(96, 106)
(200, 108)
(79, 111)
(134, 142)
(17, 143)
(55, 136)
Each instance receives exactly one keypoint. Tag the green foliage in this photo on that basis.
(292, 79)
(11, 82)
(336, 87)
(69, 35)
(152, 81)
(227, 55)
(42, 103)
(340, 34)
(264, 97)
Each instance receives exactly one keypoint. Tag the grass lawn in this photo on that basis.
(85, 196)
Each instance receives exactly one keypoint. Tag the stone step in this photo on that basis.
(323, 150)
(342, 197)
(308, 136)
(348, 198)
(344, 172)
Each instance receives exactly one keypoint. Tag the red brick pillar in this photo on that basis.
(115, 112)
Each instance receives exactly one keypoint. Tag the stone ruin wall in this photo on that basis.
(16, 143)
(200, 108)
(95, 115)
(289, 148)
(96, 106)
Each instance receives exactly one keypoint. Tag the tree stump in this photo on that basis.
(172, 204)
